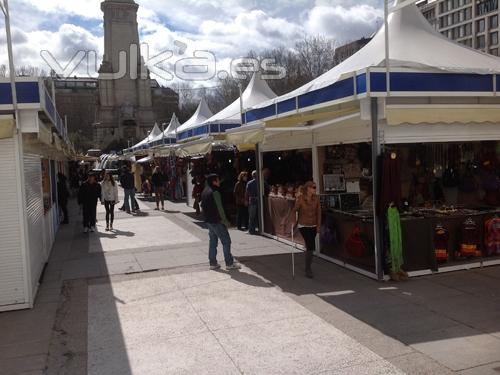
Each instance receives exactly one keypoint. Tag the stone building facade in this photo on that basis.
(123, 103)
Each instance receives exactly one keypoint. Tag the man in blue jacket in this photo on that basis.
(215, 217)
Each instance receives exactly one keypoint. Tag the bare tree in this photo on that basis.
(24, 71)
(316, 56)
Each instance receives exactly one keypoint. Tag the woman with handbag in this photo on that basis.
(307, 217)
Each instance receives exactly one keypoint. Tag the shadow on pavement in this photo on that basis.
(420, 310)
(87, 306)
(247, 279)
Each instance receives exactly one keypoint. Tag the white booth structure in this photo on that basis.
(432, 96)
(31, 156)
(144, 144)
(169, 136)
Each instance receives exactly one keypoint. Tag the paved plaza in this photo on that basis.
(141, 300)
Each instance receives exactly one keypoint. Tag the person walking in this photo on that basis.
(196, 195)
(241, 202)
(306, 215)
(127, 183)
(217, 223)
(252, 199)
(88, 196)
(62, 197)
(109, 198)
(158, 180)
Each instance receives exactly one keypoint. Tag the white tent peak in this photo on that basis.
(413, 44)
(156, 131)
(256, 92)
(201, 114)
(172, 126)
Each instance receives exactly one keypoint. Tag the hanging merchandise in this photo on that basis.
(441, 238)
(391, 181)
(354, 245)
(395, 242)
(492, 236)
(469, 246)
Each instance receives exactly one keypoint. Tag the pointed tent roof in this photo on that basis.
(152, 134)
(201, 114)
(256, 92)
(414, 44)
(170, 131)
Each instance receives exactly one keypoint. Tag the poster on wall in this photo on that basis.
(47, 199)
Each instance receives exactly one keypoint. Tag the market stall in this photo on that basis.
(33, 150)
(366, 117)
(206, 145)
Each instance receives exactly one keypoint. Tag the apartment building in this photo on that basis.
(473, 23)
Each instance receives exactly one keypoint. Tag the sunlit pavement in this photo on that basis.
(140, 300)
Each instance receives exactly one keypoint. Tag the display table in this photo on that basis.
(348, 237)
(418, 238)
(278, 218)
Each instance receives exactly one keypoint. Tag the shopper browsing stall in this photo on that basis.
(252, 197)
(307, 214)
(241, 203)
(158, 180)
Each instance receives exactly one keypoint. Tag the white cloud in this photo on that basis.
(228, 28)
(344, 24)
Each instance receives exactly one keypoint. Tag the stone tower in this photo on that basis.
(125, 110)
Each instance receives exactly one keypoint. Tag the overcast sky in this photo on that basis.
(228, 28)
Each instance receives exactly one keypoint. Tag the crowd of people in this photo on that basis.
(207, 201)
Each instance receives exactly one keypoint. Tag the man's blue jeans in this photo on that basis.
(129, 194)
(218, 232)
(253, 218)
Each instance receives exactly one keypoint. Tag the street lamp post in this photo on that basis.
(4, 6)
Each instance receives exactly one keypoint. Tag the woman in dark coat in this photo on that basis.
(62, 197)
(88, 196)
(240, 200)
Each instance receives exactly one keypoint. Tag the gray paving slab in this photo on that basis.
(83, 268)
(114, 258)
(122, 268)
(24, 349)
(28, 325)
(419, 364)
(198, 354)
(461, 347)
(467, 309)
(234, 309)
(373, 368)
(305, 345)
(140, 232)
(489, 369)
(136, 290)
(170, 259)
(140, 323)
(15, 366)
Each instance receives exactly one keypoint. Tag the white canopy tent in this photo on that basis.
(422, 63)
(431, 90)
(201, 114)
(169, 135)
(230, 117)
(144, 144)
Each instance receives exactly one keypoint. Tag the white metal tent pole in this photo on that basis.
(387, 64)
